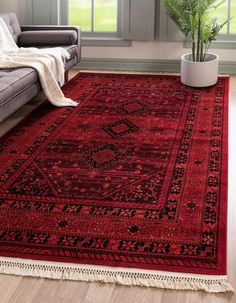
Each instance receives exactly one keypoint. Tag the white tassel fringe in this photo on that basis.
(123, 276)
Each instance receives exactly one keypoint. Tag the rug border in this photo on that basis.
(118, 275)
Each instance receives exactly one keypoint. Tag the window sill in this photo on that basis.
(105, 41)
(219, 44)
(224, 44)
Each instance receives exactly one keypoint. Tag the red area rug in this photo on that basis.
(132, 182)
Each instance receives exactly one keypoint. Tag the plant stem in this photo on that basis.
(198, 38)
(193, 50)
(202, 55)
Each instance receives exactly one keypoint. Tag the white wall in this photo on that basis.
(139, 50)
(149, 50)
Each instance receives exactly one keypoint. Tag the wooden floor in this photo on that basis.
(15, 289)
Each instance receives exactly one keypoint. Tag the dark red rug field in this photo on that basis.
(134, 177)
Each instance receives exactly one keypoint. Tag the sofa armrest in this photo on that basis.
(58, 30)
(47, 38)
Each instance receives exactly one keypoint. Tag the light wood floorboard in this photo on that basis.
(14, 289)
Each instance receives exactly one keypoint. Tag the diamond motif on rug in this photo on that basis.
(134, 107)
(102, 156)
(120, 128)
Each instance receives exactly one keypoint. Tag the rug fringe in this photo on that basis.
(123, 276)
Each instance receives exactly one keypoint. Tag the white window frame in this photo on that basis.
(130, 12)
(116, 33)
(93, 33)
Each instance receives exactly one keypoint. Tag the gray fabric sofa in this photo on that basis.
(19, 85)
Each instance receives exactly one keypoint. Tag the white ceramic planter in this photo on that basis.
(199, 74)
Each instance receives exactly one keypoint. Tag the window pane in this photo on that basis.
(105, 15)
(233, 21)
(80, 13)
(221, 13)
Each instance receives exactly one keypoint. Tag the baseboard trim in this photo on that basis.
(130, 65)
(149, 65)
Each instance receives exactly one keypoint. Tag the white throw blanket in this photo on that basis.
(48, 63)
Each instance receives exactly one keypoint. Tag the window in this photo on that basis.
(95, 17)
(110, 22)
(225, 11)
(103, 22)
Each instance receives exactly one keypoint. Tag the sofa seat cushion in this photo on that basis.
(15, 80)
(47, 38)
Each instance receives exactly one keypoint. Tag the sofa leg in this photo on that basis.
(66, 76)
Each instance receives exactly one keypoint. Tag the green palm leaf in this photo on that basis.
(193, 19)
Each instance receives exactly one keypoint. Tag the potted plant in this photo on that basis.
(193, 17)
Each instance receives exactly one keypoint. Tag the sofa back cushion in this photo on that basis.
(13, 25)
